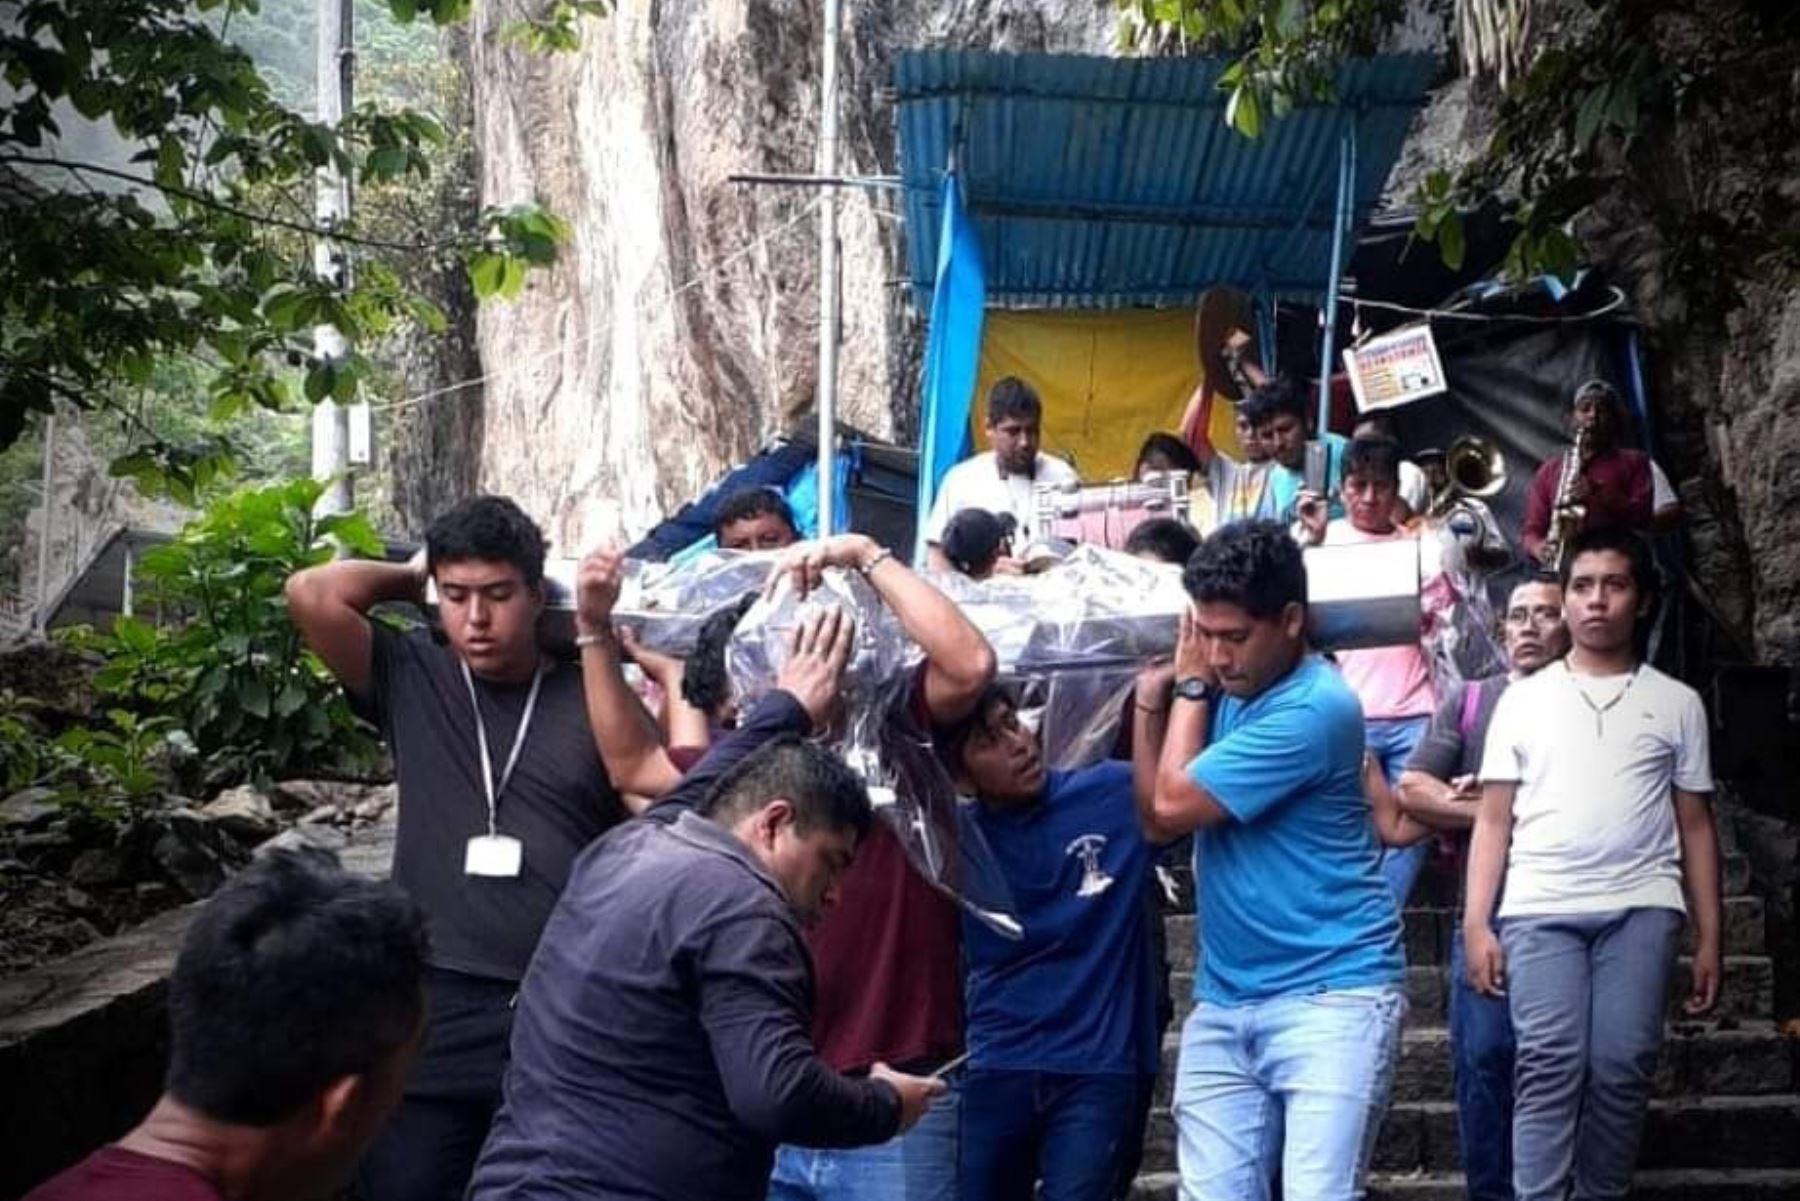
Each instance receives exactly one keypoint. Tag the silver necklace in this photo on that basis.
(1601, 710)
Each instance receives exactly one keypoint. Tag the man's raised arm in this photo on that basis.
(330, 605)
(959, 663)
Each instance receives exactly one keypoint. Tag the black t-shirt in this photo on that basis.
(558, 799)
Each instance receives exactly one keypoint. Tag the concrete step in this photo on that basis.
(1428, 932)
(1748, 993)
(1754, 1184)
(1752, 1060)
(1707, 1132)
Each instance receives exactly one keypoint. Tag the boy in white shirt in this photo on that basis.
(1595, 809)
(1003, 479)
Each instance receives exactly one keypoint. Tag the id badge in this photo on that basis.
(499, 855)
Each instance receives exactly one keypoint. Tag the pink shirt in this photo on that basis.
(1390, 681)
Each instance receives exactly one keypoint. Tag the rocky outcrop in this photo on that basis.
(680, 328)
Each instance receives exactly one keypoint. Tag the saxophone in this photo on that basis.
(1565, 515)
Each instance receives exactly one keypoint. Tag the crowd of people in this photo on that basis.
(674, 951)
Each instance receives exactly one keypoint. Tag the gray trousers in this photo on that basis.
(1587, 994)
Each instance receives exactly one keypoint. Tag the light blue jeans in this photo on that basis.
(1587, 993)
(1391, 740)
(1295, 1083)
(920, 1165)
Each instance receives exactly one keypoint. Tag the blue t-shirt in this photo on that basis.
(1074, 993)
(1285, 484)
(1291, 898)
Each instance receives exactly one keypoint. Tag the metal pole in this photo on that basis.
(829, 294)
(1342, 218)
(46, 499)
(336, 69)
(127, 595)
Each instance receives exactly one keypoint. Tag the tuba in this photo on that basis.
(1473, 467)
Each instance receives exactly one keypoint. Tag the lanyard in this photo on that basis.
(512, 758)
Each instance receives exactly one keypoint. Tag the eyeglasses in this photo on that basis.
(1536, 615)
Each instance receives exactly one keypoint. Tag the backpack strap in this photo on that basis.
(1471, 704)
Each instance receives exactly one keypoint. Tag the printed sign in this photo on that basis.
(1395, 369)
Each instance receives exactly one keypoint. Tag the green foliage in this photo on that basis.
(558, 30)
(197, 249)
(1578, 100)
(26, 756)
(234, 675)
(120, 765)
(1282, 52)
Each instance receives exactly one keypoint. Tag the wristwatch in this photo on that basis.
(1193, 688)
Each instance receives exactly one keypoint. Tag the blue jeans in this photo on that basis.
(1068, 1131)
(1481, 1062)
(1587, 993)
(920, 1165)
(1297, 1084)
(1391, 740)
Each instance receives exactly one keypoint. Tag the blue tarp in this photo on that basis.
(952, 351)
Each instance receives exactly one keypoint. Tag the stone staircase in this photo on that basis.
(1725, 1124)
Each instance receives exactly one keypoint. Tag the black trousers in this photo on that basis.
(427, 1151)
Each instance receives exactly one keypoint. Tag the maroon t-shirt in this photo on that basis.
(1619, 491)
(115, 1174)
(887, 958)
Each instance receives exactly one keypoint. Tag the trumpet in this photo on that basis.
(1473, 467)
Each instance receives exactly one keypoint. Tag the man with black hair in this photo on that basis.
(1163, 539)
(1062, 1030)
(1415, 489)
(662, 1047)
(976, 540)
(501, 787)
(888, 957)
(295, 1009)
(755, 519)
(1287, 1058)
(1595, 811)
(1284, 419)
(1001, 479)
(1614, 484)
(1392, 682)
(1441, 788)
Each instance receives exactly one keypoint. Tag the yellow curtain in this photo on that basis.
(1108, 379)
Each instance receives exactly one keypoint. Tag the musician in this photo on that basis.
(999, 480)
(1238, 488)
(1614, 485)
(1283, 416)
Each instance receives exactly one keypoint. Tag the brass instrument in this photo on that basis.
(1566, 515)
(1473, 467)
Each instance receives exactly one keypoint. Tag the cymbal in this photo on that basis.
(1222, 310)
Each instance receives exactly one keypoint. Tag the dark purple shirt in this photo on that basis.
(661, 1047)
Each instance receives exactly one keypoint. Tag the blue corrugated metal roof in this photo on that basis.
(1107, 182)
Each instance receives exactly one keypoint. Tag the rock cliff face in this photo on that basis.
(680, 329)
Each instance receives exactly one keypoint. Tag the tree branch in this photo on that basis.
(200, 198)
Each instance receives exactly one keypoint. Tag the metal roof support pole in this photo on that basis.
(1345, 206)
(829, 293)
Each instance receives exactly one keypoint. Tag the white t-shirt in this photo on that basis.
(1594, 815)
(1415, 489)
(977, 483)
